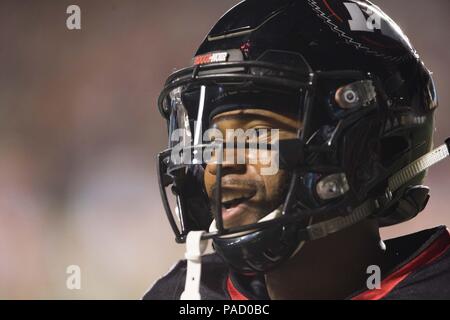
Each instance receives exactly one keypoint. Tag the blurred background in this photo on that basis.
(79, 133)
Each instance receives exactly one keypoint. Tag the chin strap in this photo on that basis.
(195, 248)
(419, 165)
(324, 228)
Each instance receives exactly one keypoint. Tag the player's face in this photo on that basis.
(248, 194)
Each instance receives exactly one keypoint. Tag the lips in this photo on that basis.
(233, 214)
(235, 203)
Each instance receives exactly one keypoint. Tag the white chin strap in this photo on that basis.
(195, 248)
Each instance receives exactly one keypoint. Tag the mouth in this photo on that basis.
(234, 202)
(235, 205)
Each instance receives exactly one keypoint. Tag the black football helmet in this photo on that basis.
(364, 97)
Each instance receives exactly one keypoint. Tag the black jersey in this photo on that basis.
(422, 271)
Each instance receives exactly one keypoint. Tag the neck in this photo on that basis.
(330, 268)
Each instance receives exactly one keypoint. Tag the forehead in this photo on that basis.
(247, 116)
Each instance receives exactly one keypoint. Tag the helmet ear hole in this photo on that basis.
(391, 148)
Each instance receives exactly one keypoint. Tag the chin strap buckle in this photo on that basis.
(195, 248)
(383, 200)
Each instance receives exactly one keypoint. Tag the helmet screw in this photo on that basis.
(331, 186)
(350, 96)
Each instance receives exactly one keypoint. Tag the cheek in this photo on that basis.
(209, 181)
(275, 185)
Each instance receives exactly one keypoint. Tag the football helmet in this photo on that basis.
(362, 93)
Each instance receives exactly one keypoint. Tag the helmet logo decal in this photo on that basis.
(212, 57)
(358, 21)
(382, 34)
